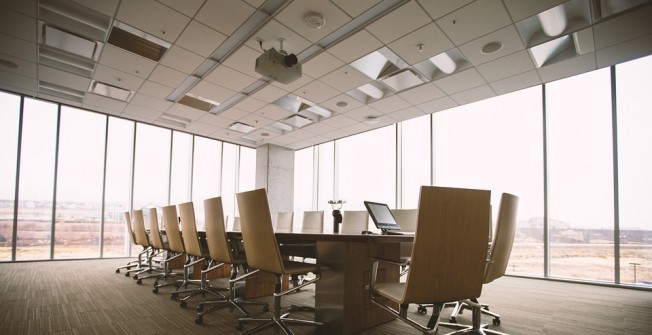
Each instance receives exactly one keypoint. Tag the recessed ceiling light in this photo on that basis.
(9, 64)
(264, 134)
(242, 127)
(372, 119)
(342, 104)
(491, 47)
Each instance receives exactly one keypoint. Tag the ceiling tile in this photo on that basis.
(185, 112)
(189, 7)
(339, 121)
(567, 68)
(623, 52)
(256, 121)
(362, 113)
(56, 76)
(249, 104)
(25, 68)
(229, 78)
(150, 102)
(293, 17)
(521, 9)
(103, 102)
(390, 104)
(181, 59)
(117, 78)
(473, 95)
(167, 76)
(224, 16)
(234, 113)
(517, 82)
(355, 8)
(321, 65)
(345, 78)
(410, 16)
(507, 66)
(460, 81)
(430, 37)
(202, 128)
(155, 89)
(273, 112)
(106, 7)
(351, 103)
(316, 92)
(153, 18)
(509, 38)
(406, 114)
(270, 35)
(295, 84)
(18, 83)
(437, 9)
(125, 61)
(244, 59)
(211, 91)
(18, 25)
(356, 46)
(18, 48)
(214, 120)
(200, 39)
(269, 93)
(23, 7)
(437, 105)
(474, 20)
(421, 94)
(623, 28)
(143, 112)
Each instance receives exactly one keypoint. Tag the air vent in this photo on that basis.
(379, 64)
(174, 120)
(61, 91)
(138, 42)
(297, 121)
(242, 127)
(402, 80)
(66, 41)
(110, 91)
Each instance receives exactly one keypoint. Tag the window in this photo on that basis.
(181, 168)
(152, 167)
(117, 192)
(634, 165)
(580, 177)
(415, 163)
(206, 171)
(9, 120)
(496, 144)
(36, 184)
(80, 177)
(229, 166)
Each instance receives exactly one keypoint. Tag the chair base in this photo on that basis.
(477, 327)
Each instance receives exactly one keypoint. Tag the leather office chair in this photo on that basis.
(284, 222)
(157, 243)
(263, 253)
(130, 264)
(354, 222)
(496, 265)
(175, 244)
(196, 255)
(313, 222)
(407, 219)
(447, 218)
(144, 265)
(222, 251)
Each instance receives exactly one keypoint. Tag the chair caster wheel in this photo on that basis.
(183, 304)
(174, 296)
(422, 310)
(117, 271)
(238, 326)
(199, 320)
(155, 290)
(265, 309)
(139, 282)
(127, 274)
(452, 320)
(496, 322)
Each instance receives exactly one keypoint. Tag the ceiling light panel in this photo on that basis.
(553, 22)
(442, 64)
(198, 102)
(542, 53)
(74, 44)
(137, 41)
(297, 121)
(379, 63)
(111, 91)
(242, 127)
(73, 17)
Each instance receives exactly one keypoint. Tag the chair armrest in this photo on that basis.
(391, 261)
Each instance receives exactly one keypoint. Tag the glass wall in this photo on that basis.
(415, 159)
(181, 173)
(207, 172)
(151, 166)
(9, 127)
(230, 155)
(80, 178)
(580, 177)
(634, 104)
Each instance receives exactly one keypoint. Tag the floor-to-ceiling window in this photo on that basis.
(580, 176)
(416, 159)
(303, 183)
(230, 156)
(634, 108)
(207, 170)
(36, 184)
(9, 126)
(79, 188)
(181, 173)
(151, 167)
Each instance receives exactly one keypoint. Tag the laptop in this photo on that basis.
(383, 218)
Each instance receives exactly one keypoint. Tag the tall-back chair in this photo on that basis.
(157, 248)
(354, 222)
(157, 242)
(195, 253)
(141, 239)
(447, 219)
(175, 243)
(496, 265)
(407, 219)
(130, 231)
(313, 222)
(284, 222)
(263, 253)
(222, 251)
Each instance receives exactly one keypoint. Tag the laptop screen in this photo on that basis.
(382, 216)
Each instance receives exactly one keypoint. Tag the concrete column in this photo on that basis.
(275, 172)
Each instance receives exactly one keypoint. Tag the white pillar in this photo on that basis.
(275, 172)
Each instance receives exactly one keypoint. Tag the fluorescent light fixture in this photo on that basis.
(60, 91)
(402, 80)
(174, 120)
(372, 91)
(198, 102)
(110, 91)
(379, 63)
(242, 127)
(297, 121)
(323, 112)
(181, 90)
(546, 51)
(282, 126)
(553, 21)
(444, 62)
(66, 41)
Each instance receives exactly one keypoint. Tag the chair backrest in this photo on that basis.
(406, 218)
(154, 234)
(354, 222)
(284, 222)
(313, 222)
(189, 229)
(236, 223)
(501, 247)
(131, 230)
(450, 245)
(258, 231)
(139, 228)
(218, 245)
(171, 224)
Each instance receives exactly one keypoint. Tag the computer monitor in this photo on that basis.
(382, 216)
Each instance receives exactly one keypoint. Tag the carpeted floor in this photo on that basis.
(88, 297)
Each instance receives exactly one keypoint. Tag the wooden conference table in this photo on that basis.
(341, 295)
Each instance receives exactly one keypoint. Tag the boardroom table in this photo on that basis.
(341, 295)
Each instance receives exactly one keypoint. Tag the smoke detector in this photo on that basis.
(314, 20)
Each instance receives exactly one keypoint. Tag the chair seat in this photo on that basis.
(295, 268)
(392, 291)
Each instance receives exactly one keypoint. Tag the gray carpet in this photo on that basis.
(88, 297)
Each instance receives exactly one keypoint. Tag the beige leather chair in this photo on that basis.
(144, 264)
(263, 253)
(447, 218)
(157, 243)
(130, 231)
(157, 249)
(175, 243)
(407, 219)
(354, 222)
(496, 265)
(196, 255)
(284, 222)
(313, 222)
(223, 251)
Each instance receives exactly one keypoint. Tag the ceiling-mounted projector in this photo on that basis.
(279, 66)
